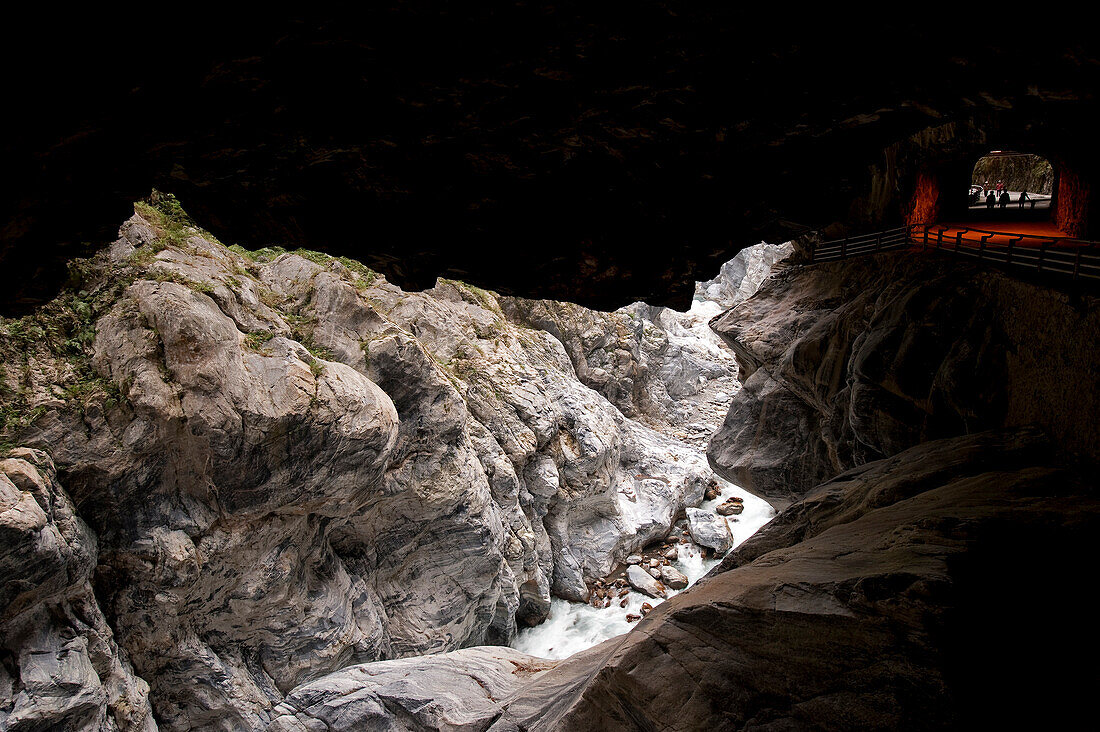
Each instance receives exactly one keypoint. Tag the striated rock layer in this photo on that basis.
(292, 466)
(920, 591)
(933, 581)
(62, 667)
(655, 364)
(848, 362)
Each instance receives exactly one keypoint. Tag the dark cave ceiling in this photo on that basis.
(600, 156)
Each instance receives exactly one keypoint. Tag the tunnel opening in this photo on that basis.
(971, 186)
(1011, 186)
(1014, 192)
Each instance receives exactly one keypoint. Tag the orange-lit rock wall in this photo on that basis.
(925, 204)
(1071, 212)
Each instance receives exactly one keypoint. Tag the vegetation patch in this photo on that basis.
(58, 335)
(166, 275)
(172, 224)
(475, 295)
(256, 339)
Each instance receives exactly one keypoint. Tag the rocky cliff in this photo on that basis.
(922, 591)
(923, 583)
(853, 361)
(288, 466)
(251, 488)
(656, 364)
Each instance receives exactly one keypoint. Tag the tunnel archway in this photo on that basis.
(1012, 186)
(937, 179)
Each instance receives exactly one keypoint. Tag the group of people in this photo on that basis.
(996, 196)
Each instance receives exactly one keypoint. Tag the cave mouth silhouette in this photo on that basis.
(1022, 183)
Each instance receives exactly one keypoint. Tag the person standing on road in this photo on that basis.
(990, 199)
(1024, 197)
(1005, 198)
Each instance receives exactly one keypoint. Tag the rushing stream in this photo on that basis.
(575, 626)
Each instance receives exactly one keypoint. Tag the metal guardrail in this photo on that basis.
(1075, 258)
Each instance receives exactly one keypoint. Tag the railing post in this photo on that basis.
(958, 240)
(878, 242)
(924, 244)
(813, 251)
(844, 248)
(1077, 263)
(981, 247)
(939, 239)
(1042, 250)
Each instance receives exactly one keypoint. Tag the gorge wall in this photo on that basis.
(848, 362)
(919, 588)
(931, 427)
(232, 473)
(264, 490)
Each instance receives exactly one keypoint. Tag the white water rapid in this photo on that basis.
(575, 626)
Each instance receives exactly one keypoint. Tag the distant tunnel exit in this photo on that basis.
(1048, 185)
(1012, 186)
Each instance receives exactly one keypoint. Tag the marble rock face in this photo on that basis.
(64, 668)
(460, 690)
(848, 362)
(887, 598)
(665, 367)
(292, 466)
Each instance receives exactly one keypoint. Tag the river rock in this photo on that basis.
(673, 578)
(634, 559)
(643, 582)
(731, 507)
(709, 530)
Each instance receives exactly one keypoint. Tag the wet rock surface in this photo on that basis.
(709, 530)
(878, 600)
(644, 581)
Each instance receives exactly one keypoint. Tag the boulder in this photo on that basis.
(731, 507)
(643, 582)
(673, 578)
(709, 530)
